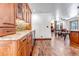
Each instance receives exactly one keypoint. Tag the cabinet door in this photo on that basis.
(74, 37)
(5, 51)
(22, 47)
(25, 45)
(19, 10)
(7, 14)
(30, 17)
(27, 17)
(4, 14)
(12, 14)
(28, 12)
(5, 48)
(19, 51)
(29, 44)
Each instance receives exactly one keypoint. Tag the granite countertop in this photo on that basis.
(74, 30)
(18, 35)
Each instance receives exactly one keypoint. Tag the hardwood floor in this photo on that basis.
(54, 47)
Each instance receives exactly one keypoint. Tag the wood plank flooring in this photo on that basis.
(54, 47)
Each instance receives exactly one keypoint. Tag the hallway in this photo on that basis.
(54, 47)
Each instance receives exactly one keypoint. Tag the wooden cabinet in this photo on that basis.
(29, 14)
(7, 15)
(7, 18)
(5, 48)
(21, 47)
(25, 45)
(29, 44)
(7, 31)
(24, 12)
(19, 11)
(74, 38)
(8, 48)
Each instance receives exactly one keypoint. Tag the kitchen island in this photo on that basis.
(19, 44)
(74, 38)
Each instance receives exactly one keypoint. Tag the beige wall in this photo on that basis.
(39, 24)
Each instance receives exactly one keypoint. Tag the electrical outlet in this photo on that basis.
(47, 26)
(41, 36)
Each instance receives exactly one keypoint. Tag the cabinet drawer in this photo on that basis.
(7, 31)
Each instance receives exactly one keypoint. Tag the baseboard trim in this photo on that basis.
(42, 38)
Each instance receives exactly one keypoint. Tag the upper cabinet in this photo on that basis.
(29, 13)
(24, 12)
(19, 11)
(9, 12)
(7, 18)
(7, 15)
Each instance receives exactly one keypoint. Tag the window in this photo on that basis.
(74, 25)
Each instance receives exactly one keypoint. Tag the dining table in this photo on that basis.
(62, 33)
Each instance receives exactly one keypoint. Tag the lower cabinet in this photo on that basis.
(5, 48)
(8, 48)
(21, 47)
(25, 45)
(29, 44)
(74, 38)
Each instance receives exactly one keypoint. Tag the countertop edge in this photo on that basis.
(17, 36)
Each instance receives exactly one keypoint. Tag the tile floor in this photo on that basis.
(54, 47)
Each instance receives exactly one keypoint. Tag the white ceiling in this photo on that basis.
(62, 10)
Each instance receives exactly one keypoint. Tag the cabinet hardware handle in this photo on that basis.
(8, 24)
(24, 40)
(8, 31)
